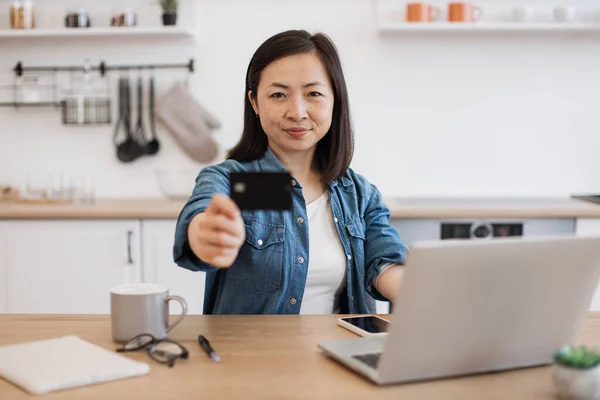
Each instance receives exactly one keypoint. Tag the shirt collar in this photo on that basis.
(344, 181)
(270, 163)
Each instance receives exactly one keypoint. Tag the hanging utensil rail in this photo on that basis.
(102, 68)
(19, 69)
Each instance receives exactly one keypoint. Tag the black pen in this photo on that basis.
(209, 350)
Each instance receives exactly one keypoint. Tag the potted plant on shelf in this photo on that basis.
(577, 372)
(169, 8)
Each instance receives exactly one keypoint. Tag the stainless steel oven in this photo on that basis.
(412, 229)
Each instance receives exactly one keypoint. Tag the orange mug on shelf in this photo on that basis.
(422, 12)
(463, 12)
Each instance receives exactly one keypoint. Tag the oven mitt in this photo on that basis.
(188, 122)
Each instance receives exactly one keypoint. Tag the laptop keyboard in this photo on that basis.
(371, 359)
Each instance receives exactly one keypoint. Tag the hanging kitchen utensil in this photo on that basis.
(120, 111)
(129, 149)
(139, 135)
(153, 145)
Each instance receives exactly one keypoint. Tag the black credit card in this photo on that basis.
(261, 190)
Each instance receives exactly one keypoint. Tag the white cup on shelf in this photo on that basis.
(565, 14)
(524, 14)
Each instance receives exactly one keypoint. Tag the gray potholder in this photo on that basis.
(188, 122)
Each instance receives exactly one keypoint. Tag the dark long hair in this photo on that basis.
(335, 150)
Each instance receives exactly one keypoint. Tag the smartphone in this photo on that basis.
(261, 190)
(367, 325)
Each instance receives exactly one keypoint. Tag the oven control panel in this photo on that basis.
(479, 230)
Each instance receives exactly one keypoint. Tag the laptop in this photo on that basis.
(475, 306)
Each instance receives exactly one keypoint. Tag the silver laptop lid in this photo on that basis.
(474, 306)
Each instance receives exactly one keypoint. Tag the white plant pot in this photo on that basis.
(577, 384)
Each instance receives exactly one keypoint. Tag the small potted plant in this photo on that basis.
(577, 372)
(169, 8)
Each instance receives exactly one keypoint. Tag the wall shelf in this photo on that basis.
(31, 105)
(487, 27)
(136, 31)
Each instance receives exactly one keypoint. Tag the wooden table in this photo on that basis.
(263, 357)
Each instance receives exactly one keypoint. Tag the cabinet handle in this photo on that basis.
(129, 257)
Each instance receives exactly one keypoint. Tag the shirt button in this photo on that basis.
(349, 256)
(335, 220)
(293, 301)
(293, 182)
(300, 220)
(300, 260)
(260, 242)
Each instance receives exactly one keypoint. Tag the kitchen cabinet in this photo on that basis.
(68, 266)
(587, 226)
(158, 266)
(584, 227)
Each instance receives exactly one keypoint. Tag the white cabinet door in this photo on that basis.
(587, 226)
(584, 227)
(3, 273)
(159, 267)
(68, 266)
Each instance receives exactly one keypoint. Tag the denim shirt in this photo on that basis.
(269, 274)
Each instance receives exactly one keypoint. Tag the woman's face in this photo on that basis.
(294, 102)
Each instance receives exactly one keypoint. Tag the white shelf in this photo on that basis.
(480, 27)
(154, 32)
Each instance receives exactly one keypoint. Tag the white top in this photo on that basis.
(326, 260)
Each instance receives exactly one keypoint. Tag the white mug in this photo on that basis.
(524, 14)
(142, 308)
(565, 14)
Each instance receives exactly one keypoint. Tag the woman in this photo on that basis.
(335, 251)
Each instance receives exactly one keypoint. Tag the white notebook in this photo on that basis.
(62, 363)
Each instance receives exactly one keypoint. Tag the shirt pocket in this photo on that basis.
(356, 234)
(259, 267)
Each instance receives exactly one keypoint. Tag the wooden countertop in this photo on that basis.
(101, 209)
(407, 208)
(264, 357)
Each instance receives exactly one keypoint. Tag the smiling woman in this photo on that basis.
(335, 252)
(309, 69)
(294, 114)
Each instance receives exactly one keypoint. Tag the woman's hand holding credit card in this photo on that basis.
(216, 234)
(261, 190)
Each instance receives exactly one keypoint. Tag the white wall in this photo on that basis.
(510, 113)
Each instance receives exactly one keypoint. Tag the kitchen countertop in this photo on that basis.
(400, 207)
(101, 209)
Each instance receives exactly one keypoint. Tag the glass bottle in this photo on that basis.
(16, 15)
(29, 17)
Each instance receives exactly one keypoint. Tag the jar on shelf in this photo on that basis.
(22, 14)
(77, 19)
(16, 11)
(29, 17)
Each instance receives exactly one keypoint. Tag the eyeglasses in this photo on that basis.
(163, 351)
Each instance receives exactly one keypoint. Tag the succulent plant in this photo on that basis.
(169, 6)
(578, 357)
